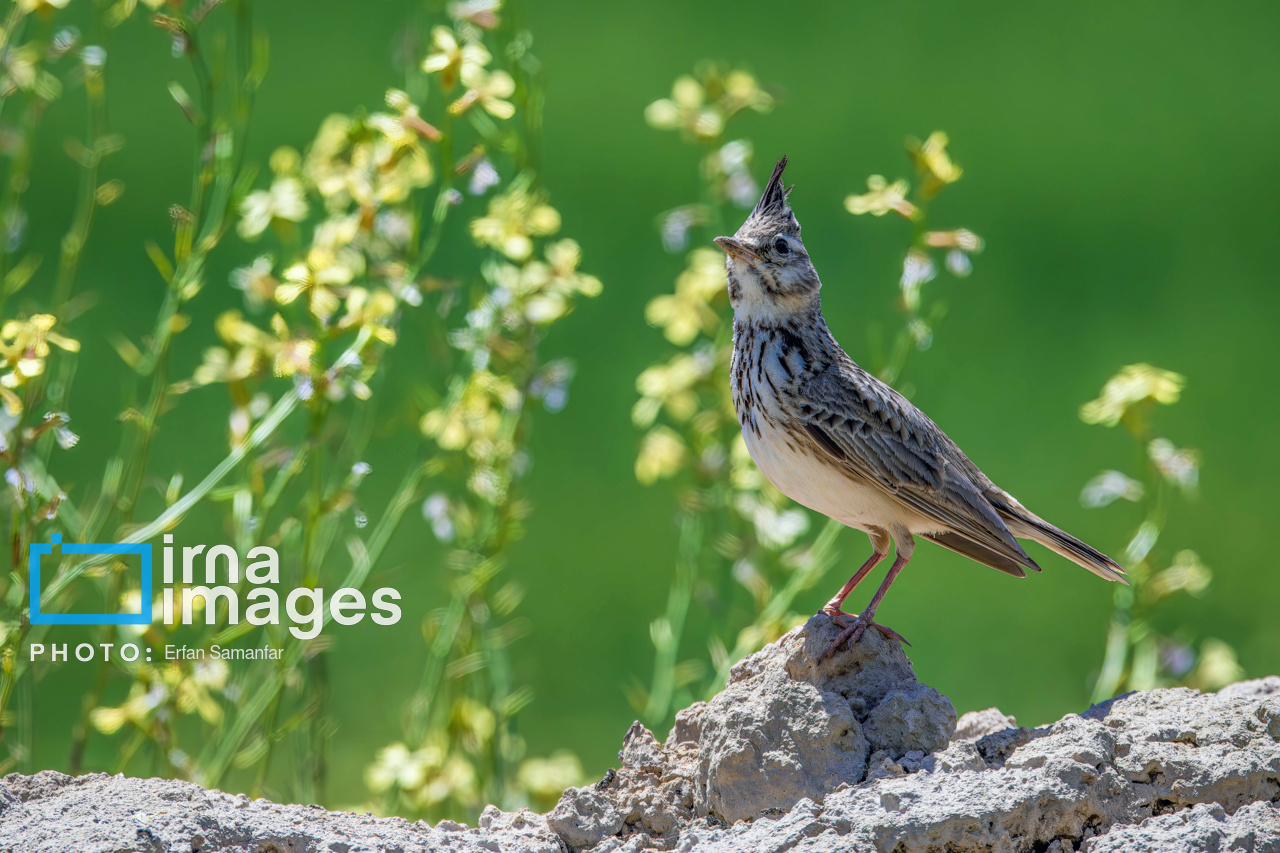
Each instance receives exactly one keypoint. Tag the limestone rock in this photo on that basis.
(798, 754)
(96, 813)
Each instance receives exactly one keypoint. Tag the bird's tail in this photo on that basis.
(1027, 525)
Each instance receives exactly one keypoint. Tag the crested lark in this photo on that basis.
(836, 439)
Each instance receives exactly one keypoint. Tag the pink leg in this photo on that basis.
(832, 607)
(854, 632)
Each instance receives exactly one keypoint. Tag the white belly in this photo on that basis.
(821, 486)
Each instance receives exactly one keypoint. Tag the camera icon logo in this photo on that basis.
(38, 551)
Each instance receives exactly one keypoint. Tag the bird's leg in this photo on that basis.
(854, 632)
(832, 607)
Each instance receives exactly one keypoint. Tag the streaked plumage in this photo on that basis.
(838, 440)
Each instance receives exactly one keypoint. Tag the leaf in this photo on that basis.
(108, 193)
(184, 102)
(18, 277)
(125, 348)
(108, 143)
(261, 60)
(77, 151)
(161, 261)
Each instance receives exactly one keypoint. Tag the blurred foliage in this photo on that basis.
(344, 234)
(1140, 653)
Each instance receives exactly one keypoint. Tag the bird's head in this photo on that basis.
(770, 275)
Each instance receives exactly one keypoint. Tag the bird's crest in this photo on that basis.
(772, 213)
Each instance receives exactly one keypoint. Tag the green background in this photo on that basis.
(1119, 163)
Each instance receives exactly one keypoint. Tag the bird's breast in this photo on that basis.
(767, 374)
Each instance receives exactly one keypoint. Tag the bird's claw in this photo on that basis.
(854, 627)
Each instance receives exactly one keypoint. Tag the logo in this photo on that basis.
(38, 551)
(226, 594)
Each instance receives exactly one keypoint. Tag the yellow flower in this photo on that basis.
(740, 92)
(330, 265)
(406, 128)
(685, 110)
(455, 780)
(348, 163)
(489, 89)
(291, 354)
(547, 778)
(372, 310)
(474, 414)
(247, 352)
(1186, 573)
(551, 286)
(700, 105)
(322, 299)
(513, 219)
(1133, 385)
(670, 386)
(24, 345)
(399, 766)
(451, 59)
(662, 452)
(933, 163)
(683, 314)
(880, 198)
(42, 6)
(1217, 667)
(141, 702)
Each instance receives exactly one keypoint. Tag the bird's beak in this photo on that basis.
(733, 246)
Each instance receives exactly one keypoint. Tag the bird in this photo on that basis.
(838, 440)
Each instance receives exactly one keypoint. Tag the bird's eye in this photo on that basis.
(781, 246)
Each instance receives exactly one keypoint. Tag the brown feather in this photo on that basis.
(977, 553)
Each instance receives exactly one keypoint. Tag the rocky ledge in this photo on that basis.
(850, 753)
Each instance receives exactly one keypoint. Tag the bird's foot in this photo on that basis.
(854, 627)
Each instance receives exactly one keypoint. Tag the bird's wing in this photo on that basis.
(878, 435)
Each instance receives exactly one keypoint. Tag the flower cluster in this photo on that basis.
(934, 170)
(460, 748)
(24, 347)
(690, 311)
(351, 277)
(1139, 656)
(1126, 394)
(702, 103)
(513, 220)
(460, 55)
(160, 694)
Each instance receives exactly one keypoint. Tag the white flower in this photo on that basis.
(1107, 487)
(286, 199)
(776, 529)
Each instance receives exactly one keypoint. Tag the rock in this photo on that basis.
(769, 740)
(650, 795)
(1202, 828)
(1133, 773)
(584, 817)
(979, 724)
(96, 813)
(797, 754)
(788, 726)
(792, 725)
(917, 719)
